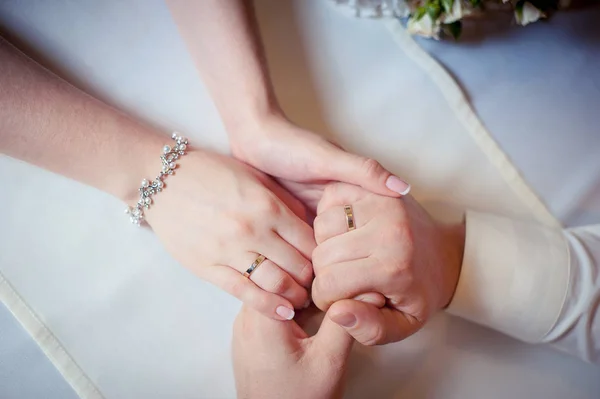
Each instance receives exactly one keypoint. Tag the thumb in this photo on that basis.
(333, 339)
(365, 172)
(370, 325)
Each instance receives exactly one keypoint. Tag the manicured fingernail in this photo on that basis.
(397, 185)
(284, 312)
(306, 304)
(344, 319)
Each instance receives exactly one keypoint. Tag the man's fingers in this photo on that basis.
(364, 172)
(347, 247)
(370, 325)
(346, 280)
(233, 282)
(333, 222)
(373, 298)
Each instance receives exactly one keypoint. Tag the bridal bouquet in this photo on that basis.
(430, 18)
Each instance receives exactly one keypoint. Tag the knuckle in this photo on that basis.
(321, 289)
(397, 233)
(243, 228)
(330, 190)
(318, 258)
(318, 227)
(371, 168)
(281, 285)
(269, 205)
(306, 273)
(373, 336)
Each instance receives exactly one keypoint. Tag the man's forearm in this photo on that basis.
(222, 38)
(49, 123)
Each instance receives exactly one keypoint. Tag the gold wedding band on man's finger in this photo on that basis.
(349, 217)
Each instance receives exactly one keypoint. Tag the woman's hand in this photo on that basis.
(397, 250)
(304, 162)
(273, 359)
(217, 215)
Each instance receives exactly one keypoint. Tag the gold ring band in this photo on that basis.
(349, 217)
(257, 262)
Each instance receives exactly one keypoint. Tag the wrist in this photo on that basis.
(453, 239)
(253, 122)
(140, 159)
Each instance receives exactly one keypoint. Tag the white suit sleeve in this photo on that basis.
(537, 284)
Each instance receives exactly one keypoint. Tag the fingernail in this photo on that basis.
(284, 312)
(344, 319)
(397, 185)
(306, 304)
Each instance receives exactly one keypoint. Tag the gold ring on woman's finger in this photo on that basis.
(257, 262)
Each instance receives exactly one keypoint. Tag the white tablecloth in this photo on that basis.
(134, 324)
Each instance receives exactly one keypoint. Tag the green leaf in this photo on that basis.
(434, 10)
(419, 13)
(447, 5)
(454, 29)
(476, 3)
(519, 9)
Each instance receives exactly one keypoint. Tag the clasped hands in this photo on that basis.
(378, 283)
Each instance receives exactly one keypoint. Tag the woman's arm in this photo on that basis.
(226, 213)
(222, 38)
(50, 123)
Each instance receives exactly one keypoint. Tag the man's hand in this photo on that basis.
(274, 359)
(397, 250)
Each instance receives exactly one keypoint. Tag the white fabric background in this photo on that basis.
(142, 327)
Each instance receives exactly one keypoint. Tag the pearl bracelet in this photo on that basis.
(149, 188)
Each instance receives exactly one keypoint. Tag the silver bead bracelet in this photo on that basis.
(149, 188)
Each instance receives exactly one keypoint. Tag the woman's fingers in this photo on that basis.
(340, 194)
(267, 303)
(270, 277)
(296, 232)
(293, 203)
(365, 172)
(288, 259)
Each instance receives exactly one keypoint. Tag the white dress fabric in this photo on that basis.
(120, 319)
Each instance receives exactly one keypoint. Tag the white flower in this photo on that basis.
(425, 27)
(456, 13)
(528, 14)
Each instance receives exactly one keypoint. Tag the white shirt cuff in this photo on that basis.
(514, 276)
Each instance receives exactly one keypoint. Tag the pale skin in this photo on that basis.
(49, 123)
(396, 250)
(273, 360)
(222, 39)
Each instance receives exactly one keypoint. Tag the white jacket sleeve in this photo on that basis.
(537, 284)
